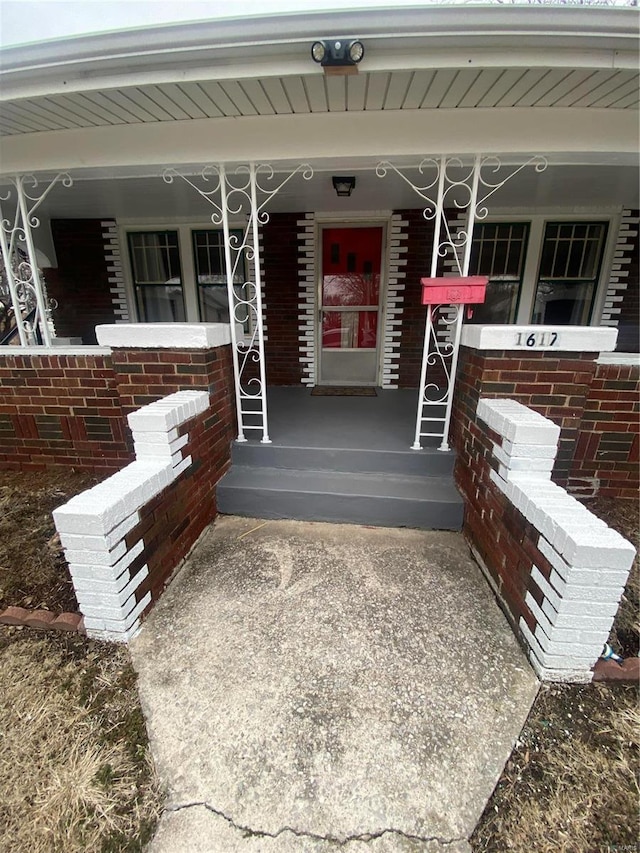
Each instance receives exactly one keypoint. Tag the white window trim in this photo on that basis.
(187, 266)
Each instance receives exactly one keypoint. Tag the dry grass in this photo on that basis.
(33, 571)
(570, 785)
(75, 775)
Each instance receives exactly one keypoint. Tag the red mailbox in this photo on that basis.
(454, 291)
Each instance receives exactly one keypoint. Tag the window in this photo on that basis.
(157, 279)
(498, 251)
(211, 275)
(569, 270)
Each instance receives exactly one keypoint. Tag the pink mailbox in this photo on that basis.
(454, 291)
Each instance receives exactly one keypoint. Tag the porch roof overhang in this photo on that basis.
(504, 80)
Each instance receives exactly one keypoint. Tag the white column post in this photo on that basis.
(231, 297)
(33, 262)
(7, 258)
(258, 285)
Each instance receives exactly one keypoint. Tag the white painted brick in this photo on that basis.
(98, 572)
(96, 558)
(530, 451)
(183, 466)
(569, 628)
(581, 614)
(111, 599)
(602, 576)
(561, 662)
(82, 541)
(109, 587)
(578, 592)
(595, 549)
(114, 624)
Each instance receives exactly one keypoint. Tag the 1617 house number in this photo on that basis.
(535, 340)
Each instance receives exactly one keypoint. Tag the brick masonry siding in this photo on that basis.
(146, 375)
(555, 384)
(82, 282)
(280, 253)
(61, 410)
(558, 571)
(607, 455)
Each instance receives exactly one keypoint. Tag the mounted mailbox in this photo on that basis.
(464, 290)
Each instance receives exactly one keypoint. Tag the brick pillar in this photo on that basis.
(554, 380)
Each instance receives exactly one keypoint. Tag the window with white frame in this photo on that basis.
(568, 275)
(179, 273)
(157, 276)
(541, 270)
(498, 251)
(211, 276)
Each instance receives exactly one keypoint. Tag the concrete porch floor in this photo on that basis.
(384, 422)
(316, 687)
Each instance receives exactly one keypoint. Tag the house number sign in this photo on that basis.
(537, 340)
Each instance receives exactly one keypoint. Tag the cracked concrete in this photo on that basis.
(315, 687)
(199, 828)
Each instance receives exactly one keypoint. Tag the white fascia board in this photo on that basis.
(301, 138)
(149, 54)
(32, 84)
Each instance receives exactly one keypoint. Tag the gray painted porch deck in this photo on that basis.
(346, 459)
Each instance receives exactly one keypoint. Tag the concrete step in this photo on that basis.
(387, 500)
(426, 462)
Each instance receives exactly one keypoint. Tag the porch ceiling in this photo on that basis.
(419, 89)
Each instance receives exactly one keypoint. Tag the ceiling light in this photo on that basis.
(343, 185)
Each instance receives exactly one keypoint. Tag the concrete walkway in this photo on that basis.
(316, 687)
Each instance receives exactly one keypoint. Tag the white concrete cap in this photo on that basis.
(567, 338)
(164, 335)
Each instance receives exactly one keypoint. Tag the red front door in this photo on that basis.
(350, 305)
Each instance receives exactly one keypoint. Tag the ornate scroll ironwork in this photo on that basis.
(465, 189)
(242, 194)
(25, 298)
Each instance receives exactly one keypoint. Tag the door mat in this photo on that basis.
(342, 391)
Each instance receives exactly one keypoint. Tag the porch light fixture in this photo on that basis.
(336, 53)
(343, 185)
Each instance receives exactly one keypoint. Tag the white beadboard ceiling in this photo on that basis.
(443, 88)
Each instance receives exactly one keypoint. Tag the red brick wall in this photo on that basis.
(71, 409)
(172, 521)
(607, 457)
(500, 535)
(282, 294)
(418, 243)
(145, 375)
(80, 284)
(61, 410)
(555, 385)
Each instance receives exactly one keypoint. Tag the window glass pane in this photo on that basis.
(211, 275)
(569, 268)
(160, 304)
(155, 257)
(572, 250)
(500, 303)
(562, 303)
(350, 329)
(157, 278)
(498, 251)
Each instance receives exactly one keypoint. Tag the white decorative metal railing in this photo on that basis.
(243, 192)
(22, 278)
(466, 188)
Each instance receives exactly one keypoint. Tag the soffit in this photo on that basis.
(419, 89)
